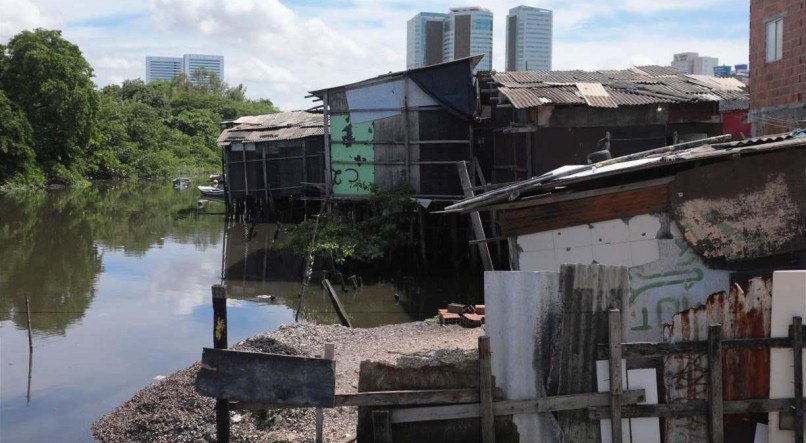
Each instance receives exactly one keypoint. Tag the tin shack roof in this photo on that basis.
(641, 85)
(572, 180)
(272, 127)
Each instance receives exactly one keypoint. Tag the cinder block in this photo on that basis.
(539, 241)
(479, 309)
(644, 227)
(572, 237)
(449, 318)
(472, 320)
(609, 232)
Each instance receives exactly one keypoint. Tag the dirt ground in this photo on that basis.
(170, 410)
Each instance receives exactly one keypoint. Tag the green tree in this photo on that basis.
(17, 158)
(49, 79)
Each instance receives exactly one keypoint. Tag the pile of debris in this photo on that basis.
(469, 316)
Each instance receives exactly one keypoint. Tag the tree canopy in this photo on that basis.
(57, 126)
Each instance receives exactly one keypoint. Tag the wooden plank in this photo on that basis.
(486, 391)
(334, 298)
(381, 427)
(509, 407)
(330, 354)
(475, 218)
(637, 350)
(796, 332)
(615, 337)
(585, 210)
(588, 292)
(220, 342)
(695, 408)
(715, 410)
(267, 378)
(408, 398)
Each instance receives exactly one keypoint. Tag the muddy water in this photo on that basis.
(118, 277)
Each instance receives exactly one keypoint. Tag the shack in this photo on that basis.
(273, 156)
(407, 128)
(539, 121)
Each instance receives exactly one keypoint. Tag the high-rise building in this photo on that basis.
(424, 39)
(166, 68)
(723, 71)
(529, 39)
(693, 63)
(741, 69)
(162, 68)
(435, 37)
(469, 31)
(211, 64)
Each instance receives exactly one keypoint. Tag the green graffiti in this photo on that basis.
(645, 325)
(659, 307)
(694, 275)
(349, 152)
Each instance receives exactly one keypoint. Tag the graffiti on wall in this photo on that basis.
(349, 153)
(677, 281)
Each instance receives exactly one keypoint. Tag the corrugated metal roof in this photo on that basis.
(564, 178)
(595, 95)
(642, 85)
(269, 127)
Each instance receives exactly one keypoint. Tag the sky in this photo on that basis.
(281, 49)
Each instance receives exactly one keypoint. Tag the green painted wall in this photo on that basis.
(343, 147)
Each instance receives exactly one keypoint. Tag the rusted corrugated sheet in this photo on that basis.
(529, 98)
(586, 210)
(279, 126)
(745, 208)
(745, 372)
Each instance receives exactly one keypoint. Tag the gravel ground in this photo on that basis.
(171, 411)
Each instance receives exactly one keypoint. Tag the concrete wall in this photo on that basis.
(522, 313)
(666, 276)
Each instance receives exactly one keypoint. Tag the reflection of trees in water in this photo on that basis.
(51, 243)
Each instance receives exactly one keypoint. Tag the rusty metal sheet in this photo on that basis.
(745, 372)
(750, 207)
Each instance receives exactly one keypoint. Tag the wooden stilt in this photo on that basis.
(220, 342)
(486, 391)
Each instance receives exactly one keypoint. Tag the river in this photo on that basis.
(118, 277)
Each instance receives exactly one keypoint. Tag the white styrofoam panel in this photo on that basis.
(610, 231)
(572, 236)
(761, 433)
(643, 252)
(616, 254)
(788, 300)
(576, 254)
(538, 261)
(635, 430)
(539, 241)
(644, 227)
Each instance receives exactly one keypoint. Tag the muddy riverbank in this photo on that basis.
(170, 410)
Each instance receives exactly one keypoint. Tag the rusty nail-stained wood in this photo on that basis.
(715, 411)
(486, 391)
(615, 374)
(220, 342)
(796, 332)
(381, 427)
(330, 354)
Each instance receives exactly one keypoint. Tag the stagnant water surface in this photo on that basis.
(118, 277)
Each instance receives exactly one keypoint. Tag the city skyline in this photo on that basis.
(529, 39)
(166, 68)
(282, 50)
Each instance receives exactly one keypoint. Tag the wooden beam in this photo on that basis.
(475, 218)
(381, 427)
(614, 323)
(330, 354)
(220, 342)
(796, 332)
(334, 298)
(695, 407)
(641, 350)
(715, 410)
(509, 407)
(486, 391)
(410, 398)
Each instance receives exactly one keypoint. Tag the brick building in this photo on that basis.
(778, 61)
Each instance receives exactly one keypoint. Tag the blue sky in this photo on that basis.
(281, 49)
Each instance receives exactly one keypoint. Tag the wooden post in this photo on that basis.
(220, 342)
(381, 427)
(796, 333)
(475, 218)
(330, 354)
(486, 391)
(334, 297)
(615, 374)
(715, 410)
(30, 348)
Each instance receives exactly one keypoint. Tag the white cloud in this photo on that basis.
(18, 15)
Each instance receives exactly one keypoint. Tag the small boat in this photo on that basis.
(211, 191)
(181, 182)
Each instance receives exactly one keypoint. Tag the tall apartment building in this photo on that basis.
(162, 68)
(166, 68)
(529, 39)
(424, 35)
(465, 32)
(693, 63)
(778, 82)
